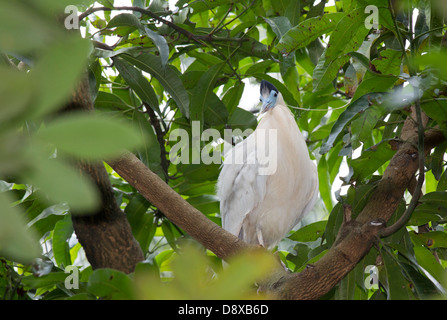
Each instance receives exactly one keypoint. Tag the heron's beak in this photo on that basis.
(265, 104)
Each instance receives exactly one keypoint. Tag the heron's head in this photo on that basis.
(269, 96)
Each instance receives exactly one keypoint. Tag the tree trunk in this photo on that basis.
(105, 235)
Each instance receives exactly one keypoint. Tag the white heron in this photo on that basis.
(261, 208)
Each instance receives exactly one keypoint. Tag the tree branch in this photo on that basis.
(191, 36)
(416, 194)
(177, 209)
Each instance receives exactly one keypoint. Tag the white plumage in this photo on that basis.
(262, 208)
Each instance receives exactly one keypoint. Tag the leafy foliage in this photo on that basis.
(154, 69)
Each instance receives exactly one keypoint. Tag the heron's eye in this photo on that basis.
(275, 94)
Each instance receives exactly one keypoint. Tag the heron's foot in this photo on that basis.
(284, 266)
(276, 254)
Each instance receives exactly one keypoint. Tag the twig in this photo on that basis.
(216, 28)
(191, 36)
(102, 45)
(238, 16)
(155, 122)
(8, 61)
(399, 36)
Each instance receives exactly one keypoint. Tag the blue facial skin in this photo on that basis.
(270, 102)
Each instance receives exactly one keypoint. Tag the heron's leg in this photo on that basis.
(259, 236)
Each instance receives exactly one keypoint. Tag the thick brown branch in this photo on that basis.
(175, 208)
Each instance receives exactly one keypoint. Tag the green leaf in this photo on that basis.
(310, 232)
(435, 198)
(360, 59)
(259, 67)
(125, 19)
(324, 183)
(50, 279)
(333, 224)
(19, 37)
(195, 189)
(252, 47)
(207, 60)
(149, 153)
(205, 5)
(437, 110)
(432, 208)
(279, 25)
(61, 235)
(397, 286)
(242, 119)
(442, 184)
(372, 159)
(307, 31)
(200, 172)
(293, 12)
(54, 78)
(138, 83)
(433, 239)
(110, 284)
(350, 112)
(141, 222)
(109, 101)
(423, 215)
(90, 136)
(17, 98)
(429, 263)
(374, 84)
(433, 62)
(303, 59)
(437, 162)
(301, 257)
(352, 287)
(215, 112)
(161, 44)
(348, 35)
(233, 96)
(106, 3)
(202, 91)
(361, 194)
(362, 127)
(324, 73)
(167, 77)
(167, 227)
(205, 203)
(424, 288)
(389, 62)
(51, 176)
(17, 242)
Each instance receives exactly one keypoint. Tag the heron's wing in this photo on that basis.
(240, 188)
(312, 197)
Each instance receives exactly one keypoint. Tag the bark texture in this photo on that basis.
(175, 208)
(105, 234)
